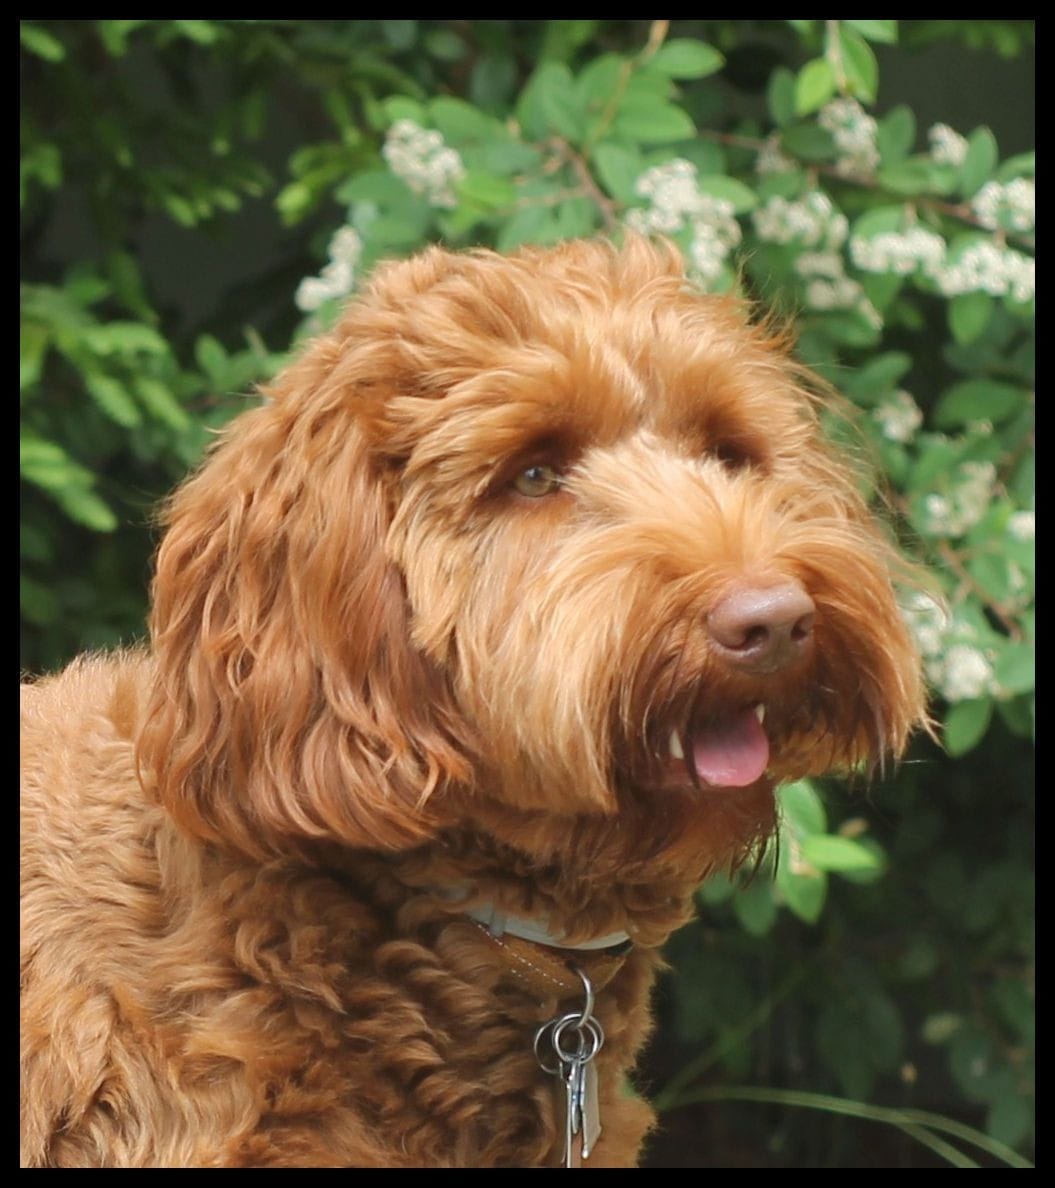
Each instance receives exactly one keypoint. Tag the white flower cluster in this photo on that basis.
(962, 673)
(899, 417)
(337, 278)
(927, 620)
(828, 286)
(899, 252)
(771, 159)
(676, 202)
(947, 146)
(964, 506)
(424, 161)
(1010, 208)
(812, 221)
(1023, 525)
(987, 267)
(854, 132)
(954, 662)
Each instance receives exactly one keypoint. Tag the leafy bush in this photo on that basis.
(152, 148)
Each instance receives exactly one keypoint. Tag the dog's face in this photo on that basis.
(549, 531)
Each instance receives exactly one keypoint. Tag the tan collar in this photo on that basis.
(500, 924)
(545, 965)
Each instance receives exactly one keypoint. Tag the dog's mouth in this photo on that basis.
(729, 749)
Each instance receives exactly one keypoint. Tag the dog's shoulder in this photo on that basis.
(80, 793)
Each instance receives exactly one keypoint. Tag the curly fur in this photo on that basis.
(378, 673)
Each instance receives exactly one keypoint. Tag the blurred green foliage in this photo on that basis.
(196, 194)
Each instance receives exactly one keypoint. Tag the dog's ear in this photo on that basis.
(289, 701)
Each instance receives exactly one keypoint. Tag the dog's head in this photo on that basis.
(549, 531)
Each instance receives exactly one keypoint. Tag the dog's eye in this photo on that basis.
(537, 481)
(732, 455)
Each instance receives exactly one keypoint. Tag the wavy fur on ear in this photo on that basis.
(289, 700)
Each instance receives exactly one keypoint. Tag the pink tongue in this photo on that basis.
(732, 752)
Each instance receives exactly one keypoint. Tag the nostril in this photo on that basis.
(763, 628)
(756, 637)
(803, 629)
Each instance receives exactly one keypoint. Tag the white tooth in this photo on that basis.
(760, 712)
(675, 745)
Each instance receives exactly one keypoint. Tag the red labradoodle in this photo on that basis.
(476, 648)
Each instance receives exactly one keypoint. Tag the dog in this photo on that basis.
(475, 648)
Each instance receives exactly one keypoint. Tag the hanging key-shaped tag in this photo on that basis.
(590, 1109)
(565, 1047)
(574, 1149)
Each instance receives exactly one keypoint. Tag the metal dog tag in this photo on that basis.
(589, 1109)
(565, 1047)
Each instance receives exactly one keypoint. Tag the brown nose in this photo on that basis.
(763, 629)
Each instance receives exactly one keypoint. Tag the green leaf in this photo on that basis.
(563, 38)
(896, 135)
(859, 62)
(575, 218)
(966, 724)
(802, 809)
(780, 96)
(115, 34)
(124, 274)
(839, 854)
(804, 893)
(878, 376)
(549, 103)
(85, 507)
(728, 189)
(809, 142)
(849, 328)
(717, 889)
(755, 909)
(159, 401)
(1009, 1119)
(212, 358)
(940, 1027)
(969, 314)
(445, 45)
(814, 86)
(618, 167)
(791, 184)
(978, 400)
(41, 43)
(1021, 165)
(1016, 716)
(32, 344)
(683, 58)
(651, 121)
(400, 35)
(1016, 668)
(400, 107)
(492, 81)
(458, 121)
(488, 190)
(526, 226)
(48, 465)
(503, 157)
(124, 338)
(917, 175)
(598, 81)
(113, 398)
(980, 161)
(203, 32)
(375, 186)
(884, 31)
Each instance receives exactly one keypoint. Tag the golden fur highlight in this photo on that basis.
(385, 686)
